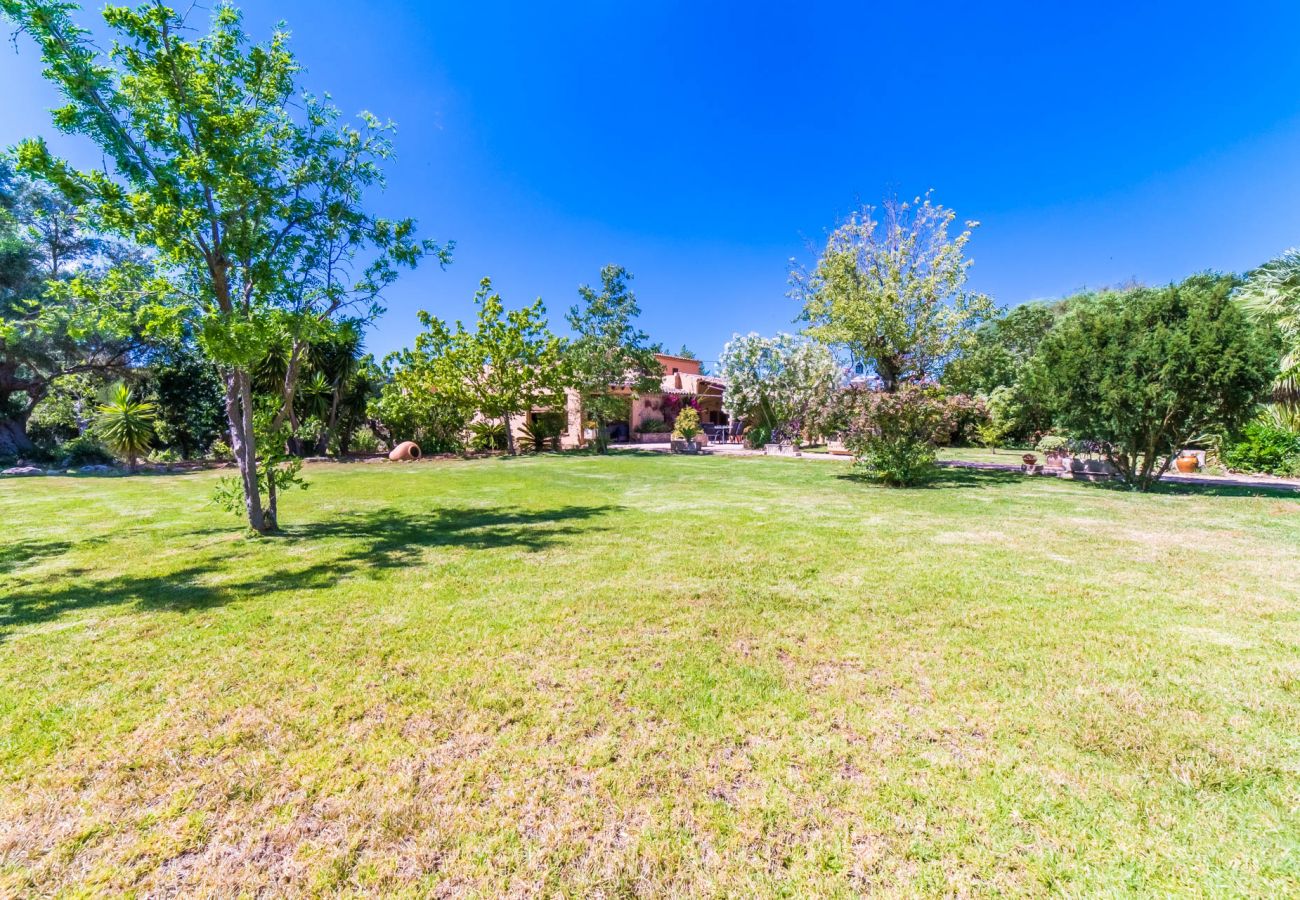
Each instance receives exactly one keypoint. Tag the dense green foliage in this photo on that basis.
(1000, 349)
(189, 398)
(508, 364)
(1264, 446)
(71, 305)
(1148, 371)
(410, 408)
(1271, 294)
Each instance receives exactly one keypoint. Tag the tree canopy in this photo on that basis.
(608, 349)
(1271, 295)
(250, 192)
(71, 302)
(783, 384)
(890, 287)
(506, 365)
(1148, 371)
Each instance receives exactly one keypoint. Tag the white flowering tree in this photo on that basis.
(890, 288)
(784, 385)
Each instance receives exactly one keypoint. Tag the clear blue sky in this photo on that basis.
(704, 145)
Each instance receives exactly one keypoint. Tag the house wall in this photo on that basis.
(674, 364)
(642, 407)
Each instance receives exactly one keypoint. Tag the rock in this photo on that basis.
(23, 470)
(94, 470)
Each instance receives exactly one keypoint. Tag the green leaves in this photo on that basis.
(506, 365)
(609, 350)
(125, 423)
(250, 192)
(1149, 370)
(892, 290)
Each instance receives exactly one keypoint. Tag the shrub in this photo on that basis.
(1017, 413)
(1264, 447)
(543, 432)
(653, 425)
(990, 434)
(687, 425)
(969, 414)
(364, 440)
(84, 450)
(1149, 371)
(893, 436)
(410, 410)
(758, 435)
(221, 451)
(1051, 443)
(487, 436)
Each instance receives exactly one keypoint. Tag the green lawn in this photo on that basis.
(648, 675)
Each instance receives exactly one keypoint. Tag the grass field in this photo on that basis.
(648, 675)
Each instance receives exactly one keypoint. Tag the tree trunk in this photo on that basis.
(13, 436)
(272, 500)
(510, 435)
(239, 416)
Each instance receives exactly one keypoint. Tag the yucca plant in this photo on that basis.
(542, 433)
(126, 424)
(488, 435)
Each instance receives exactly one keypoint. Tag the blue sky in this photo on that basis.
(704, 145)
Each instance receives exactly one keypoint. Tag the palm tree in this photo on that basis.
(126, 424)
(1272, 294)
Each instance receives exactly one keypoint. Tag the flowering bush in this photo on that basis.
(969, 415)
(784, 385)
(893, 436)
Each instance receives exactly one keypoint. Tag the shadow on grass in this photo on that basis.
(1200, 489)
(25, 552)
(346, 546)
(946, 477)
(949, 476)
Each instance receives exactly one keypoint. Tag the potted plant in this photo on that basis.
(1187, 462)
(1056, 449)
(652, 428)
(685, 430)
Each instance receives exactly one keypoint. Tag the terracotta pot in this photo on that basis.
(1029, 459)
(406, 450)
(1186, 464)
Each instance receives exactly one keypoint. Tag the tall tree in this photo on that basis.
(508, 364)
(892, 290)
(70, 302)
(250, 192)
(609, 350)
